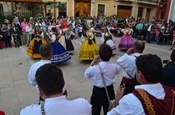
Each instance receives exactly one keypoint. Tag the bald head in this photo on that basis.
(139, 46)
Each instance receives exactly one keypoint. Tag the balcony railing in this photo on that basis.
(151, 2)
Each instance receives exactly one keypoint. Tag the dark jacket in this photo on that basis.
(168, 75)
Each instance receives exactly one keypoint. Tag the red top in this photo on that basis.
(2, 112)
(64, 25)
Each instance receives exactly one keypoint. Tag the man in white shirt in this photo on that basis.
(109, 71)
(127, 62)
(46, 54)
(149, 98)
(51, 83)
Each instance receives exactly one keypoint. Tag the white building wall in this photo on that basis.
(172, 11)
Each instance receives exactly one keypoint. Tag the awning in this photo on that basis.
(33, 1)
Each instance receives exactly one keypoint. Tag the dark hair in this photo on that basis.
(139, 45)
(172, 56)
(150, 66)
(45, 50)
(50, 79)
(105, 52)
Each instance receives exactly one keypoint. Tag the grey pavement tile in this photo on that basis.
(6, 81)
(9, 97)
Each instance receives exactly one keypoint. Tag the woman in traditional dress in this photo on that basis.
(33, 49)
(68, 36)
(108, 40)
(126, 41)
(88, 48)
(59, 54)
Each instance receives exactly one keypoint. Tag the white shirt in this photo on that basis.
(112, 45)
(127, 62)
(60, 106)
(92, 29)
(53, 38)
(131, 105)
(109, 73)
(33, 69)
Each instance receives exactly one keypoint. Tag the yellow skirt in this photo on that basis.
(33, 49)
(88, 51)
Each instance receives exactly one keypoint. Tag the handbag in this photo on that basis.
(106, 90)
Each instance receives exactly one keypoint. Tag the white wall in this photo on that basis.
(172, 11)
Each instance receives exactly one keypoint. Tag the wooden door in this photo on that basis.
(124, 11)
(148, 13)
(82, 8)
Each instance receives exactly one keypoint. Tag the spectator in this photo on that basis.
(149, 98)
(23, 27)
(127, 62)
(99, 98)
(4, 32)
(51, 83)
(168, 72)
(173, 41)
(49, 15)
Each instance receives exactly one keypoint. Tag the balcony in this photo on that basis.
(125, 0)
(150, 2)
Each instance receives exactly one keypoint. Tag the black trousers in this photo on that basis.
(99, 99)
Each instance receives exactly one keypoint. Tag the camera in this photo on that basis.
(165, 61)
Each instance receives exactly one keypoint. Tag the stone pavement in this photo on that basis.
(16, 93)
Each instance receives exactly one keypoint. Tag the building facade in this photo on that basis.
(85, 8)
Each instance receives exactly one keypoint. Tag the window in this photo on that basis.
(1, 10)
(162, 14)
(62, 9)
(101, 10)
(140, 12)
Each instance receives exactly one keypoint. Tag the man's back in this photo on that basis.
(131, 105)
(60, 106)
(33, 69)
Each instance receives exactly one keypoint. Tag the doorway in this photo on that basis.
(82, 8)
(124, 11)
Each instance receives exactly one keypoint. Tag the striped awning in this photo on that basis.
(33, 1)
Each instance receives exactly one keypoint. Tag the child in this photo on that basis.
(156, 35)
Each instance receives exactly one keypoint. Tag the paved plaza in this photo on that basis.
(16, 93)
